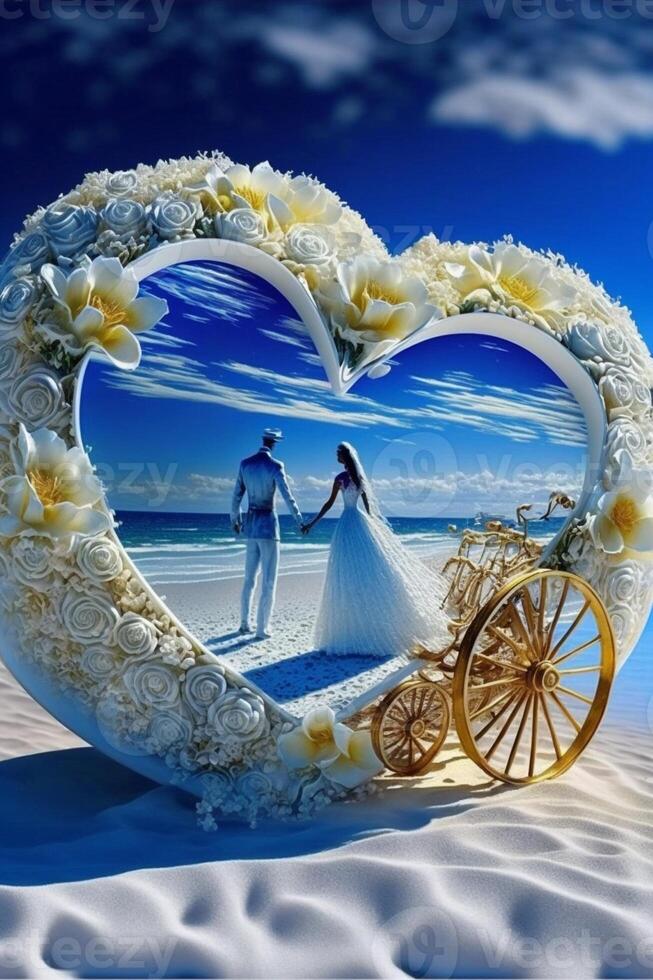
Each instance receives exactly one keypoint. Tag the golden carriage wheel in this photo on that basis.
(546, 639)
(410, 725)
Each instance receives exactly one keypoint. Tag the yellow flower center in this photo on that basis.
(255, 199)
(375, 290)
(47, 487)
(321, 734)
(114, 314)
(624, 514)
(519, 288)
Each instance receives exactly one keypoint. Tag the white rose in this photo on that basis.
(10, 361)
(239, 715)
(241, 225)
(624, 621)
(640, 356)
(624, 394)
(89, 617)
(99, 559)
(309, 245)
(122, 183)
(204, 685)
(29, 253)
(169, 728)
(255, 786)
(599, 343)
(623, 584)
(152, 685)
(99, 662)
(31, 562)
(37, 399)
(71, 228)
(126, 219)
(174, 218)
(626, 435)
(135, 635)
(16, 300)
(618, 469)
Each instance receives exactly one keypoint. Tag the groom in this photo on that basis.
(260, 476)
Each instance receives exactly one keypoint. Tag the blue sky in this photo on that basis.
(539, 126)
(485, 121)
(458, 425)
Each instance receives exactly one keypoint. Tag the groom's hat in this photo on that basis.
(275, 434)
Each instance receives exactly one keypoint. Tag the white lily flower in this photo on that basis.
(515, 279)
(344, 756)
(376, 300)
(102, 310)
(240, 187)
(54, 490)
(622, 522)
(305, 201)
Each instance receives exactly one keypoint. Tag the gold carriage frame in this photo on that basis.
(503, 664)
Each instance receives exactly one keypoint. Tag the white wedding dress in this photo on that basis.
(378, 599)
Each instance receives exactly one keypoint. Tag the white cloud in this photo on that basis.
(283, 338)
(577, 103)
(458, 398)
(452, 493)
(460, 493)
(572, 70)
(325, 53)
(550, 412)
(200, 484)
(265, 392)
(211, 291)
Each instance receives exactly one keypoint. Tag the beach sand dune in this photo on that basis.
(105, 874)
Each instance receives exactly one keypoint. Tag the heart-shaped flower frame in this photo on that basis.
(82, 631)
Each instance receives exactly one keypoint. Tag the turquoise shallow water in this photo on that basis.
(176, 548)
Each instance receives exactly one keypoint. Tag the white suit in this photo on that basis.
(259, 477)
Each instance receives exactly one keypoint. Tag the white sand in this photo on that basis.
(449, 875)
(287, 666)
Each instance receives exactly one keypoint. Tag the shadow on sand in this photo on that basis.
(74, 815)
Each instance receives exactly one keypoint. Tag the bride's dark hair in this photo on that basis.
(357, 473)
(352, 464)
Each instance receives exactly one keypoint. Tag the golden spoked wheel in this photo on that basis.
(533, 676)
(410, 726)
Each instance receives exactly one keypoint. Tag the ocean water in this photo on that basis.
(178, 548)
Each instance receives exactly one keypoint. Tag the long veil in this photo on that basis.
(365, 483)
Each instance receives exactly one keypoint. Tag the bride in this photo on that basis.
(378, 598)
